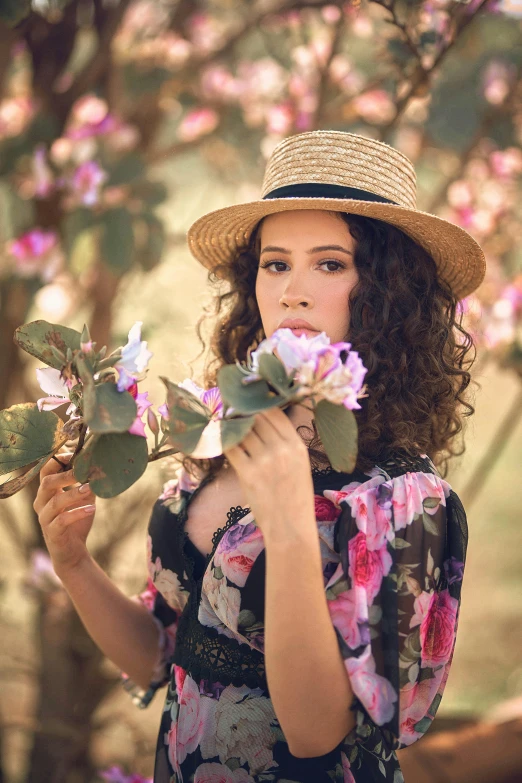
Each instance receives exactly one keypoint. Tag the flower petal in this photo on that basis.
(50, 382)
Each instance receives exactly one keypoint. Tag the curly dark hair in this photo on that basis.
(405, 323)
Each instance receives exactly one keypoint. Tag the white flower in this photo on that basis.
(51, 382)
(134, 358)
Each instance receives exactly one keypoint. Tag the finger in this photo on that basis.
(53, 483)
(69, 517)
(60, 501)
(52, 466)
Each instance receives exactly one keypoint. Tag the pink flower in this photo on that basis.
(415, 700)
(325, 510)
(192, 727)
(348, 610)
(87, 181)
(42, 174)
(117, 775)
(138, 426)
(368, 567)
(197, 123)
(36, 253)
(331, 371)
(375, 692)
(410, 492)
(372, 511)
(347, 773)
(437, 631)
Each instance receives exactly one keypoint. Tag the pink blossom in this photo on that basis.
(348, 611)
(197, 123)
(319, 366)
(36, 253)
(437, 631)
(117, 775)
(375, 106)
(42, 575)
(375, 692)
(347, 773)
(15, 116)
(138, 427)
(87, 181)
(368, 567)
(42, 174)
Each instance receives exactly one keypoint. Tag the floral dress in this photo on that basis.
(393, 545)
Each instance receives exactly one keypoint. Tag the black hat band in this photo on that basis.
(322, 190)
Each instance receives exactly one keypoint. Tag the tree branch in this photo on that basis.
(96, 66)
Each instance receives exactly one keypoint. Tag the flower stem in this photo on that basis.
(155, 455)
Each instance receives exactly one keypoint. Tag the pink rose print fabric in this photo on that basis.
(393, 544)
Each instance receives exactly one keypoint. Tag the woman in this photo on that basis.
(310, 636)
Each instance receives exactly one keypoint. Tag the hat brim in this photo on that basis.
(216, 237)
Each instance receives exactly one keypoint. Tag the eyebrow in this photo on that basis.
(319, 249)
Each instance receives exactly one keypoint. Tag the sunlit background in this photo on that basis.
(122, 122)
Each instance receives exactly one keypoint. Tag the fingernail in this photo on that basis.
(84, 488)
(88, 509)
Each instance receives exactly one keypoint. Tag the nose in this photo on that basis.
(292, 297)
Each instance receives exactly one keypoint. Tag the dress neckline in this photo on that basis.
(234, 514)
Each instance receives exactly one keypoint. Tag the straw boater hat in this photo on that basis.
(342, 172)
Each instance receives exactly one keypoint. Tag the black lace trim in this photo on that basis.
(207, 654)
(402, 463)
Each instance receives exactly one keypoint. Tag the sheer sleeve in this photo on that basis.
(164, 597)
(394, 601)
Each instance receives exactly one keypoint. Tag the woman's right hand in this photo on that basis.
(64, 516)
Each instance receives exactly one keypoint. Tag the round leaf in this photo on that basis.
(37, 337)
(110, 410)
(27, 435)
(111, 463)
(337, 429)
(245, 398)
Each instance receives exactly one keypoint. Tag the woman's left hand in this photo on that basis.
(273, 467)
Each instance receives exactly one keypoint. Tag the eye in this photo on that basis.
(340, 266)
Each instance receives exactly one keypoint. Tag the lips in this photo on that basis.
(297, 323)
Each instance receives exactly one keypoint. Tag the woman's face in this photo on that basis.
(306, 271)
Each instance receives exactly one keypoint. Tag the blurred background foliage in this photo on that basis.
(121, 122)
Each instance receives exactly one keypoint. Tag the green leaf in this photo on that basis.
(37, 337)
(400, 543)
(128, 169)
(273, 370)
(185, 428)
(188, 417)
(337, 429)
(76, 224)
(117, 242)
(422, 725)
(434, 706)
(183, 398)
(429, 525)
(234, 430)
(149, 254)
(431, 502)
(245, 398)
(109, 410)
(111, 463)
(28, 435)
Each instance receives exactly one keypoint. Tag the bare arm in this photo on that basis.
(122, 628)
(306, 675)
